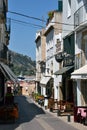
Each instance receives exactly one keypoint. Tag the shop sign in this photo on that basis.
(68, 61)
(59, 57)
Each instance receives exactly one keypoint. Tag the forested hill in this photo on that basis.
(22, 64)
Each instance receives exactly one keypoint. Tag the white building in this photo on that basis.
(40, 59)
(53, 46)
(75, 22)
(80, 75)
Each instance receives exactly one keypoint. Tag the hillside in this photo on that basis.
(22, 64)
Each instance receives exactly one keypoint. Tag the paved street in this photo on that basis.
(33, 117)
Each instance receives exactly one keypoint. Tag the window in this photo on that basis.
(69, 8)
(58, 45)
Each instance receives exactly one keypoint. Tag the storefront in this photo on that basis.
(80, 77)
(47, 89)
(47, 84)
(66, 83)
(80, 86)
(5, 75)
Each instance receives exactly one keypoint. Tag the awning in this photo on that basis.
(9, 75)
(45, 80)
(37, 80)
(64, 70)
(81, 73)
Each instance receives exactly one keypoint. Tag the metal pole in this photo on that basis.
(68, 118)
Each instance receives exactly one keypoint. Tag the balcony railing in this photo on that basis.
(80, 16)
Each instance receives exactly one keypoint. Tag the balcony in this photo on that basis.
(80, 16)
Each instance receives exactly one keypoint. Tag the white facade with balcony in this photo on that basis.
(53, 34)
(80, 21)
(75, 19)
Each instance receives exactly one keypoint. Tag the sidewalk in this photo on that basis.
(71, 122)
(79, 126)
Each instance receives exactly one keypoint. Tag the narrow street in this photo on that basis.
(32, 117)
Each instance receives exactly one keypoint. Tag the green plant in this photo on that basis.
(9, 94)
(50, 14)
(37, 96)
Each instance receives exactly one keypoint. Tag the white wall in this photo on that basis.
(49, 51)
(78, 43)
(43, 90)
(57, 80)
(78, 93)
(69, 20)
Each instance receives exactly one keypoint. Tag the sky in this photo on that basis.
(22, 37)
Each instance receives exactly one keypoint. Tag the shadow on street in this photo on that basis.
(27, 109)
(27, 112)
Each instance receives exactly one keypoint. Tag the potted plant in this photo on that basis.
(9, 98)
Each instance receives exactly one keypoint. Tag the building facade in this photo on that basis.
(79, 76)
(3, 44)
(40, 60)
(5, 72)
(53, 46)
(47, 80)
(65, 76)
(75, 19)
